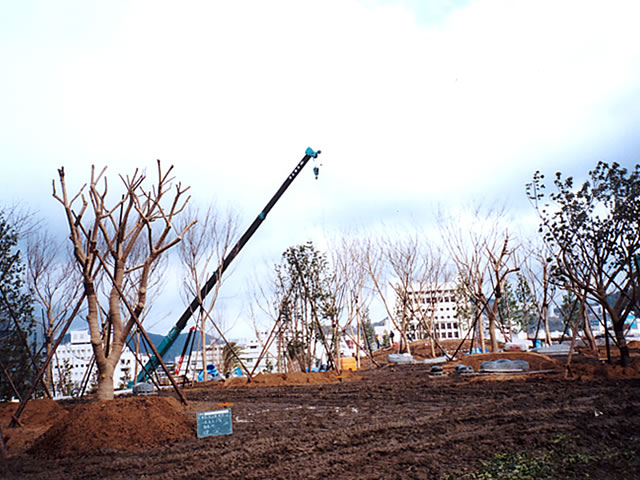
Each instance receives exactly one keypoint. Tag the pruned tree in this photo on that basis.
(55, 284)
(356, 296)
(116, 247)
(374, 261)
(265, 305)
(401, 269)
(202, 250)
(483, 252)
(431, 282)
(403, 261)
(536, 290)
(592, 231)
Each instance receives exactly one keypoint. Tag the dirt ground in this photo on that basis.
(397, 421)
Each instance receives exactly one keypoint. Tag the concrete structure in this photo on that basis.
(73, 358)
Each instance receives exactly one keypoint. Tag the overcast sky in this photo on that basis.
(413, 104)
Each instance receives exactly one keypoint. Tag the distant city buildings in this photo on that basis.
(249, 353)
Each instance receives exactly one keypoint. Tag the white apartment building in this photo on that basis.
(74, 357)
(252, 349)
(433, 303)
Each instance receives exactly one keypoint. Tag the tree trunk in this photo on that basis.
(618, 328)
(547, 332)
(432, 336)
(105, 383)
(405, 340)
(203, 346)
(589, 333)
(49, 372)
(366, 337)
(492, 332)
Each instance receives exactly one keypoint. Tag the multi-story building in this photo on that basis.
(435, 305)
(74, 357)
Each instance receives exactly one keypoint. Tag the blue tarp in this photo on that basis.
(211, 371)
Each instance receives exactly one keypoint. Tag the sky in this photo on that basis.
(414, 104)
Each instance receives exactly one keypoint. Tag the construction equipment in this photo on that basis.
(196, 303)
(184, 350)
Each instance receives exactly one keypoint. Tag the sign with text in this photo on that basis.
(217, 422)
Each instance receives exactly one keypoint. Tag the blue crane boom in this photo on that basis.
(196, 303)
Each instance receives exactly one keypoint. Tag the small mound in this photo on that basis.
(536, 361)
(591, 370)
(133, 423)
(293, 378)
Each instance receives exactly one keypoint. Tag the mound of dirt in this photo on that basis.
(294, 378)
(582, 370)
(634, 344)
(37, 417)
(536, 361)
(133, 423)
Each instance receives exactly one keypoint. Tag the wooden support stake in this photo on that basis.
(204, 373)
(11, 384)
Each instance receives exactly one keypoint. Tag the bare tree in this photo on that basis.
(201, 251)
(535, 270)
(400, 269)
(348, 265)
(373, 260)
(55, 283)
(484, 256)
(265, 303)
(106, 242)
(426, 292)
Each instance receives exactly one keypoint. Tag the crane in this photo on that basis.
(196, 303)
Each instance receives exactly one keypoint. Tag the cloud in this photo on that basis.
(413, 104)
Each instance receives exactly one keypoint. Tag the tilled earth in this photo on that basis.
(396, 422)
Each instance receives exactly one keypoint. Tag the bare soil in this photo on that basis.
(389, 422)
